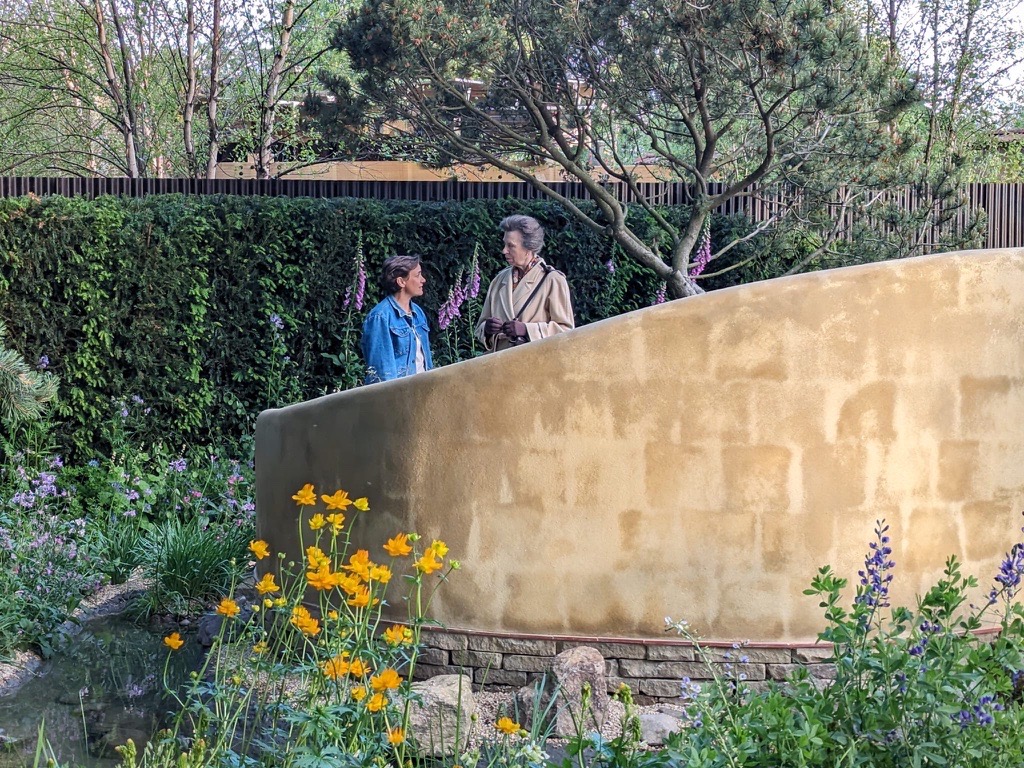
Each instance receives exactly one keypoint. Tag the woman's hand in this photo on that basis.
(492, 326)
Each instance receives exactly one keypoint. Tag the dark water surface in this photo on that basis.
(106, 687)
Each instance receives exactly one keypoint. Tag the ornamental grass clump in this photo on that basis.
(306, 671)
(936, 685)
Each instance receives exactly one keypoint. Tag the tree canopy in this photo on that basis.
(727, 97)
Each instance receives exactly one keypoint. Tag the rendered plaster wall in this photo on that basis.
(699, 459)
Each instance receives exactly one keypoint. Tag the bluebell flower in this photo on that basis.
(44, 363)
(93, 463)
(277, 322)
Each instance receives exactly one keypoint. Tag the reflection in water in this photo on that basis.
(105, 688)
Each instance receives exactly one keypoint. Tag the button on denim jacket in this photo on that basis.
(388, 343)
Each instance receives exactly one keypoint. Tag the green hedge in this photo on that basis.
(169, 298)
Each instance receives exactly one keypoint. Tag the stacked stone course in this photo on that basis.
(650, 668)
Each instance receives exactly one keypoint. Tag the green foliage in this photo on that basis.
(211, 309)
(24, 393)
(912, 687)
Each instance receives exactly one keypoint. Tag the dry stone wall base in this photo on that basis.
(650, 668)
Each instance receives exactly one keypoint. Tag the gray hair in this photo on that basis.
(528, 227)
(394, 268)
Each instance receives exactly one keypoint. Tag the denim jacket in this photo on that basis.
(388, 343)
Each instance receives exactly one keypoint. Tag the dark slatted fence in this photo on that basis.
(1003, 203)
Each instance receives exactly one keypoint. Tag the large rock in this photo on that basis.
(440, 710)
(558, 697)
(655, 727)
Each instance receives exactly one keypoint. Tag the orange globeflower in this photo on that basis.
(306, 497)
(321, 579)
(304, 622)
(380, 573)
(316, 557)
(266, 585)
(228, 607)
(508, 726)
(398, 546)
(337, 521)
(338, 500)
(316, 522)
(259, 549)
(396, 735)
(361, 599)
(385, 680)
(335, 668)
(358, 693)
(349, 583)
(439, 548)
(174, 641)
(359, 564)
(260, 647)
(396, 635)
(377, 702)
(362, 504)
(358, 668)
(428, 563)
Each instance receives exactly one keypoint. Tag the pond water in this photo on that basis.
(106, 687)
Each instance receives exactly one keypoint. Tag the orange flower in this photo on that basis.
(304, 622)
(396, 635)
(439, 548)
(385, 680)
(428, 563)
(266, 585)
(316, 557)
(336, 668)
(174, 641)
(322, 578)
(398, 546)
(337, 521)
(377, 702)
(396, 735)
(349, 583)
(508, 726)
(260, 647)
(259, 548)
(361, 599)
(358, 693)
(228, 607)
(359, 564)
(306, 497)
(362, 504)
(380, 573)
(316, 522)
(338, 500)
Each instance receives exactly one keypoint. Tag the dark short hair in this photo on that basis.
(394, 268)
(528, 227)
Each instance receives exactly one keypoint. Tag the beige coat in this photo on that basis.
(548, 313)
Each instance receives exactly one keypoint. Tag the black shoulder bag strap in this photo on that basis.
(548, 269)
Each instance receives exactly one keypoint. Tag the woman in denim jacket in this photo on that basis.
(395, 334)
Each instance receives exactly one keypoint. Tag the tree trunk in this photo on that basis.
(268, 109)
(211, 104)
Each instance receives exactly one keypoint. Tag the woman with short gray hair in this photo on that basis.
(530, 299)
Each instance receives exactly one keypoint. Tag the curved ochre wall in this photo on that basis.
(699, 459)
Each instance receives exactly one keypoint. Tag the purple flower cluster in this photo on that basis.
(359, 285)
(178, 465)
(44, 363)
(703, 248)
(458, 294)
(1009, 576)
(875, 578)
(659, 297)
(610, 266)
(980, 714)
(927, 629)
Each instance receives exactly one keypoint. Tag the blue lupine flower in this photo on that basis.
(875, 578)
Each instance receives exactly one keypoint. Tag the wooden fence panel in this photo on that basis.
(1003, 203)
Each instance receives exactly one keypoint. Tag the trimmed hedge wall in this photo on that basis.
(169, 298)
